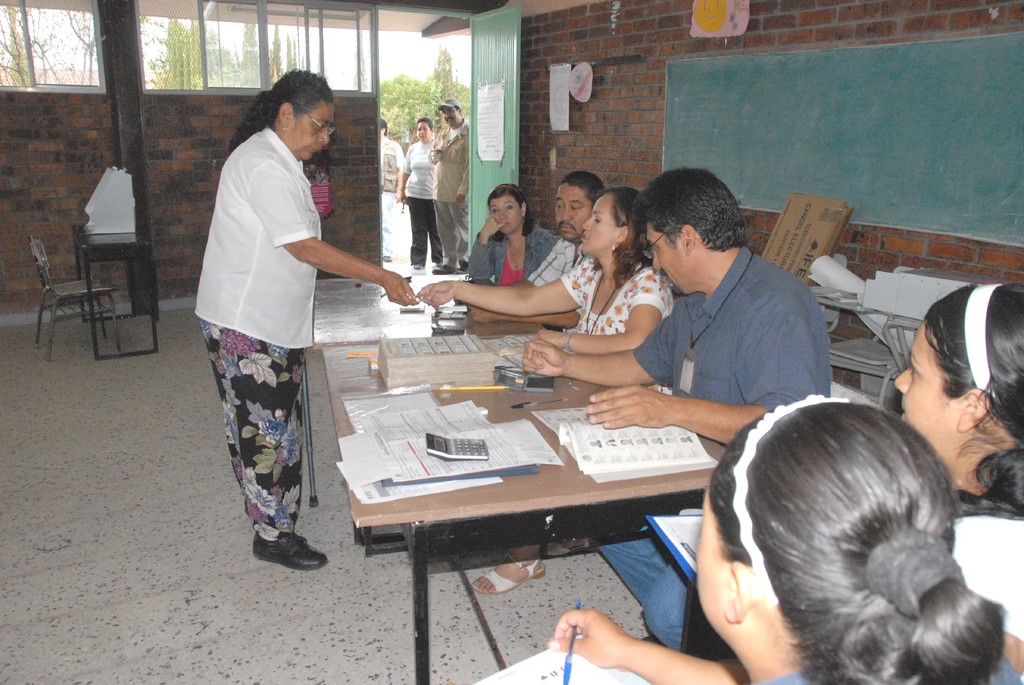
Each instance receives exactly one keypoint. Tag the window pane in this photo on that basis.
(63, 36)
(346, 49)
(287, 38)
(232, 44)
(13, 61)
(171, 57)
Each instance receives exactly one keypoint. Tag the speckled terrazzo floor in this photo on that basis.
(126, 558)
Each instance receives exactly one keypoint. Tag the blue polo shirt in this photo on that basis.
(760, 339)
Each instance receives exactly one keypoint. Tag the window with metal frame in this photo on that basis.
(50, 45)
(192, 45)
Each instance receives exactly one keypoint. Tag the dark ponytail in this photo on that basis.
(855, 525)
(303, 89)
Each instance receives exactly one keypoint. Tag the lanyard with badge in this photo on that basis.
(690, 359)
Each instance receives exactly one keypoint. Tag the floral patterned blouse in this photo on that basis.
(643, 287)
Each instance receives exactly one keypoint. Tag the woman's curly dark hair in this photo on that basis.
(303, 89)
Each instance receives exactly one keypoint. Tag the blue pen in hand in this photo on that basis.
(567, 672)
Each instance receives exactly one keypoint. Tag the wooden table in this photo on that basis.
(558, 503)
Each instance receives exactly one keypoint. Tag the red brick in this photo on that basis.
(1003, 258)
(953, 251)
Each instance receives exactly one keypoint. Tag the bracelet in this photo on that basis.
(565, 343)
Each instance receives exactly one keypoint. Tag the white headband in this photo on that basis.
(975, 338)
(740, 474)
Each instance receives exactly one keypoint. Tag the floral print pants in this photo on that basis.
(259, 387)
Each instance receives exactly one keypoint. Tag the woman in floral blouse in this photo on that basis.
(618, 295)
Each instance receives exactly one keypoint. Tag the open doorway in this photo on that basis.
(422, 59)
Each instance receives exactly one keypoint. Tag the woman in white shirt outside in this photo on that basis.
(255, 300)
(416, 189)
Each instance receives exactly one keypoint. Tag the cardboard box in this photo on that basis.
(911, 292)
(808, 228)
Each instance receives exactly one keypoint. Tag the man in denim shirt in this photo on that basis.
(744, 338)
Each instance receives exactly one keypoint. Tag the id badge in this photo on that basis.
(686, 376)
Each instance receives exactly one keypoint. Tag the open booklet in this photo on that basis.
(623, 451)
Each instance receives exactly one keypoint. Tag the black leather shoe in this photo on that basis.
(463, 267)
(443, 270)
(289, 550)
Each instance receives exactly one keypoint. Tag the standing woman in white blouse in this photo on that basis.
(255, 300)
(416, 189)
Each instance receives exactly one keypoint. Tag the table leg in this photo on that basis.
(418, 550)
(92, 308)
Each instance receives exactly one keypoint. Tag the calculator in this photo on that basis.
(456, 448)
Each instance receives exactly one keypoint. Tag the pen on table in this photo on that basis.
(473, 387)
(523, 405)
(567, 671)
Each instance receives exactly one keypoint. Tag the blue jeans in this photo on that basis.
(651, 575)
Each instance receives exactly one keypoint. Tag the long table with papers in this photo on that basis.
(558, 502)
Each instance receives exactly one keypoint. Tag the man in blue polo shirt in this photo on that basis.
(744, 338)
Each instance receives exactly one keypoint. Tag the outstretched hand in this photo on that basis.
(437, 294)
(397, 288)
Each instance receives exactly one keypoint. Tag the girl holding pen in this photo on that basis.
(826, 556)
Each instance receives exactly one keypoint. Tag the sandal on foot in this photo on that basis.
(561, 549)
(501, 584)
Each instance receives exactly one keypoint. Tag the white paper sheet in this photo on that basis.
(558, 107)
(490, 122)
(546, 669)
(393, 448)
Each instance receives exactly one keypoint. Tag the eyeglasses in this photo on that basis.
(326, 126)
(649, 250)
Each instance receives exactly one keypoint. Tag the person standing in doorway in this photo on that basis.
(416, 189)
(451, 155)
(391, 161)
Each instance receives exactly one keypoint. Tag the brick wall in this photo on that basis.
(619, 133)
(54, 147)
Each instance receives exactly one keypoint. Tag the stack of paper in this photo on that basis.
(461, 360)
(389, 459)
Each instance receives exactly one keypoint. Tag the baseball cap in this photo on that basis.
(450, 103)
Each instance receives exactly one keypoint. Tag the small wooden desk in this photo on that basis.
(137, 255)
(559, 503)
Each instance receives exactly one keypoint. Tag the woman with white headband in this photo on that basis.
(825, 557)
(964, 391)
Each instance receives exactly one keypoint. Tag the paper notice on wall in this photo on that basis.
(490, 122)
(719, 18)
(559, 108)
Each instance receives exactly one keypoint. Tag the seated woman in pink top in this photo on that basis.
(508, 246)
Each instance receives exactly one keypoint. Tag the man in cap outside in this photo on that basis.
(451, 155)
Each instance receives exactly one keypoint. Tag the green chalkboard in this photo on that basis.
(916, 135)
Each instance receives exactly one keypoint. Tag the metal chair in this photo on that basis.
(70, 300)
(870, 357)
